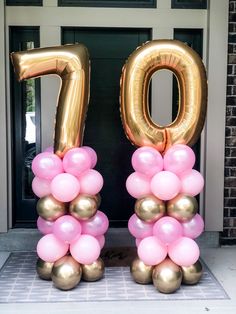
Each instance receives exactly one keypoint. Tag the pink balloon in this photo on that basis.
(165, 185)
(92, 154)
(91, 182)
(184, 251)
(179, 158)
(50, 249)
(138, 241)
(193, 228)
(67, 228)
(101, 240)
(139, 228)
(76, 161)
(45, 226)
(49, 149)
(152, 251)
(167, 230)
(138, 185)
(147, 160)
(65, 187)
(96, 225)
(41, 187)
(86, 249)
(192, 182)
(47, 165)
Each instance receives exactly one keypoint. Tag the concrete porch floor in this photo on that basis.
(221, 261)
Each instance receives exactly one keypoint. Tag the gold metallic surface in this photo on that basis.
(192, 274)
(182, 207)
(149, 208)
(49, 208)
(94, 271)
(167, 276)
(84, 206)
(71, 64)
(140, 272)
(44, 269)
(189, 70)
(66, 273)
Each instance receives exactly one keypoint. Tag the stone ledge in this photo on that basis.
(26, 239)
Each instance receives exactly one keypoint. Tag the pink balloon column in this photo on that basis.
(61, 184)
(165, 179)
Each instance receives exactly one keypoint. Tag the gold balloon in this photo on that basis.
(189, 70)
(149, 208)
(71, 64)
(140, 272)
(182, 207)
(94, 271)
(66, 273)
(50, 209)
(192, 274)
(84, 206)
(167, 276)
(44, 269)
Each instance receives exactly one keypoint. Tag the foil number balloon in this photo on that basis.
(71, 64)
(189, 70)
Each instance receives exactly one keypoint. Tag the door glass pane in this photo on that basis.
(25, 107)
(29, 131)
(194, 39)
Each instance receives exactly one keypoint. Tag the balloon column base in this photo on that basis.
(69, 218)
(66, 273)
(167, 276)
(166, 221)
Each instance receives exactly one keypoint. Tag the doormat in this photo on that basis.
(118, 256)
(19, 283)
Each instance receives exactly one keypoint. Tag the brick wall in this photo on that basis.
(228, 236)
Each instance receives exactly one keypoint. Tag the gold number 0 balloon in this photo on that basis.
(189, 70)
(71, 64)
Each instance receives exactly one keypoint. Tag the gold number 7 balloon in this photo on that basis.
(71, 64)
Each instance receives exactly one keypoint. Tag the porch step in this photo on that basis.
(26, 239)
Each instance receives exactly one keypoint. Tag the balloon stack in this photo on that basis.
(166, 221)
(69, 218)
(66, 182)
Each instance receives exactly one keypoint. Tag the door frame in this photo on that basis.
(162, 20)
(4, 165)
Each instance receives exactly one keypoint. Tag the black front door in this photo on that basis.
(109, 48)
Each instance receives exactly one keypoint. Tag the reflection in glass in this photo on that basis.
(29, 131)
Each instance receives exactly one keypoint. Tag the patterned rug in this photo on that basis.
(19, 283)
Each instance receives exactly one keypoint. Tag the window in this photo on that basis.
(25, 108)
(108, 3)
(189, 4)
(25, 2)
(194, 39)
